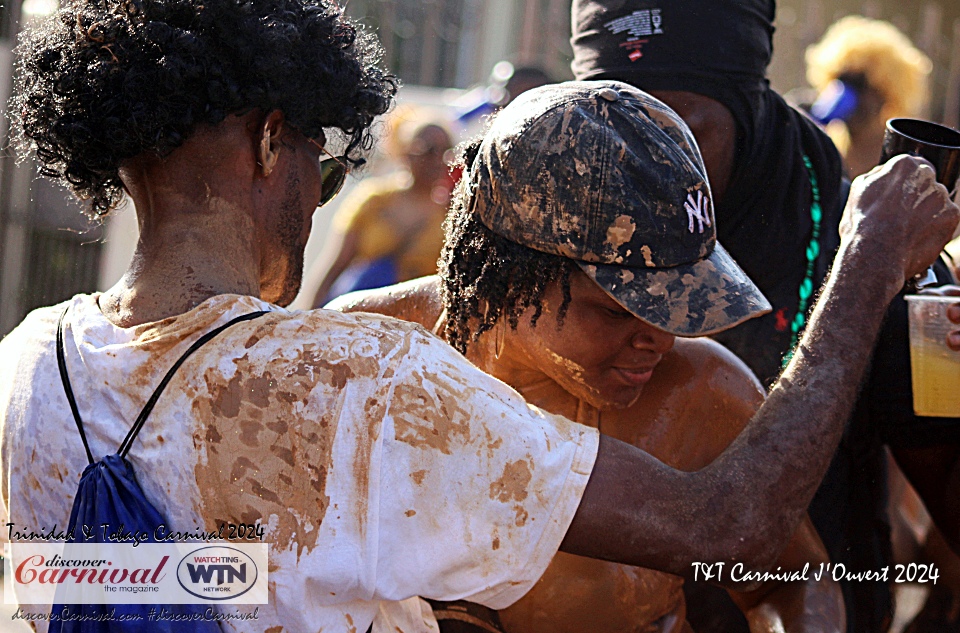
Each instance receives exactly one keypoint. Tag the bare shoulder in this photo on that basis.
(719, 370)
(700, 398)
(713, 370)
(417, 300)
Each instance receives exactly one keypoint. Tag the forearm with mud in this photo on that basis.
(783, 454)
(744, 506)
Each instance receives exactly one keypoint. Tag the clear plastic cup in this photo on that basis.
(935, 368)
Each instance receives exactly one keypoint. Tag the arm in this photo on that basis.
(896, 222)
(810, 605)
(417, 300)
(730, 394)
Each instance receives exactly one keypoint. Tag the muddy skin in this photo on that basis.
(190, 215)
(696, 380)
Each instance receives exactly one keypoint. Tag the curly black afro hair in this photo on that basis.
(103, 81)
(484, 276)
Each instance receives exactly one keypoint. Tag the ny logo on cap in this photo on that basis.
(698, 210)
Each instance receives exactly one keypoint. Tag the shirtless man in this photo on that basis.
(589, 357)
(381, 463)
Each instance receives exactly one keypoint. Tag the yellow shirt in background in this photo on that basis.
(385, 226)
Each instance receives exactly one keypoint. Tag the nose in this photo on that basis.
(650, 338)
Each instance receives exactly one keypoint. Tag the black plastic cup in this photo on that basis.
(937, 143)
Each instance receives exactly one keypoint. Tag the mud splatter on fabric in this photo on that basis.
(365, 446)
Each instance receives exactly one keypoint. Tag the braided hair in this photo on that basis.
(485, 276)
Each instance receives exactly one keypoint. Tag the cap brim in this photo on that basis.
(706, 297)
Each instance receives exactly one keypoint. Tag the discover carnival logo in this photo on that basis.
(217, 573)
(112, 573)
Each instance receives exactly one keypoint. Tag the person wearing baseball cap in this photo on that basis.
(581, 244)
(707, 60)
(779, 192)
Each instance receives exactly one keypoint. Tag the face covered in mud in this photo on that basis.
(599, 352)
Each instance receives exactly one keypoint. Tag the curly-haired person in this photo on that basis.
(379, 462)
(103, 82)
(779, 194)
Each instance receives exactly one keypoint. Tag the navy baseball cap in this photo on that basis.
(604, 174)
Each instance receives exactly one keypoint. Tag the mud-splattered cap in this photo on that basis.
(603, 173)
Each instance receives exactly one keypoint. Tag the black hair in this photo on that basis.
(103, 81)
(485, 276)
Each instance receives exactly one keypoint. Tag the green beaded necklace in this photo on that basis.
(813, 251)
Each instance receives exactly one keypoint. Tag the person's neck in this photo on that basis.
(181, 263)
(198, 236)
(512, 367)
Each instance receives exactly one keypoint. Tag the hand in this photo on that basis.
(953, 312)
(899, 216)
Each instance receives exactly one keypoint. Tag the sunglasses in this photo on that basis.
(333, 173)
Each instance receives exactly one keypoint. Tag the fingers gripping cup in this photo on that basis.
(934, 366)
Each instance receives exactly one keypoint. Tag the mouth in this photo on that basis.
(634, 376)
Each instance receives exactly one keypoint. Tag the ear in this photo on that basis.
(268, 151)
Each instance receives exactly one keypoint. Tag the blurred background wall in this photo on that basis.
(441, 49)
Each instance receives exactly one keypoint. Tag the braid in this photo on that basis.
(485, 276)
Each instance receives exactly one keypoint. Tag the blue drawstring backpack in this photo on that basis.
(109, 493)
